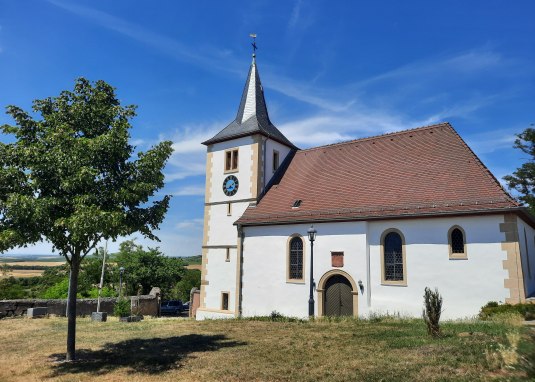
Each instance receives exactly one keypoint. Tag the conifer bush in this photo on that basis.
(122, 307)
(432, 311)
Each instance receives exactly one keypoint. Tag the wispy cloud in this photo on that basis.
(189, 155)
(491, 141)
(190, 224)
(189, 191)
(436, 67)
(464, 109)
(308, 93)
(171, 47)
(296, 13)
(422, 92)
(331, 127)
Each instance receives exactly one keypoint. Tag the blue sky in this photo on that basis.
(332, 71)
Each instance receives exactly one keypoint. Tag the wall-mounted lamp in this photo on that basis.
(361, 286)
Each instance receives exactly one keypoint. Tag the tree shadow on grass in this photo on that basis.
(149, 356)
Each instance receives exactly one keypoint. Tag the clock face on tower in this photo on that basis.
(230, 185)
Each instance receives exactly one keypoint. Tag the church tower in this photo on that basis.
(240, 162)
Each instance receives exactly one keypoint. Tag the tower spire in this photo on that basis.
(252, 117)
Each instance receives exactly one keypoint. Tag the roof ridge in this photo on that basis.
(380, 136)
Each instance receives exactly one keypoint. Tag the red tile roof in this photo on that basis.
(424, 171)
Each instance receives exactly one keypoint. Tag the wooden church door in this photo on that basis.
(338, 297)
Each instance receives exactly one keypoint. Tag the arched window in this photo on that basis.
(457, 242)
(393, 261)
(393, 257)
(295, 259)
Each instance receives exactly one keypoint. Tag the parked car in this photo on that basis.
(171, 307)
(185, 306)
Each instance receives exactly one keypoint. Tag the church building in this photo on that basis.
(391, 215)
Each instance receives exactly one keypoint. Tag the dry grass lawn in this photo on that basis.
(174, 349)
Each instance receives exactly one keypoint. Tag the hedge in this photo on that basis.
(492, 308)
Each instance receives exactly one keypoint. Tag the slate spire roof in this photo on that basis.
(252, 117)
(426, 171)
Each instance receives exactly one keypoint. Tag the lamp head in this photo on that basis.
(311, 233)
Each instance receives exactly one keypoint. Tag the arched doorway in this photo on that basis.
(338, 299)
(337, 294)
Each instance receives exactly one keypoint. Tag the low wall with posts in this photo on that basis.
(146, 305)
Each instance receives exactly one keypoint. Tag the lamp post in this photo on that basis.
(121, 271)
(311, 236)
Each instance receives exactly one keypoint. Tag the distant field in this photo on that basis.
(35, 263)
(24, 273)
(25, 266)
(26, 259)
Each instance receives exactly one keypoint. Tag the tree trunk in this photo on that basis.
(71, 308)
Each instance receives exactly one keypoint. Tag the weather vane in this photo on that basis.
(253, 35)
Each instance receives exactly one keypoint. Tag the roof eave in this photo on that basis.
(212, 141)
(311, 219)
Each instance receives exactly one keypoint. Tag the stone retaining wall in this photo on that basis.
(148, 305)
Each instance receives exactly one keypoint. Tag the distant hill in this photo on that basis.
(23, 258)
(191, 260)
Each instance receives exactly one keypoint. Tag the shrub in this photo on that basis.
(106, 292)
(274, 317)
(492, 309)
(122, 308)
(58, 290)
(11, 289)
(432, 311)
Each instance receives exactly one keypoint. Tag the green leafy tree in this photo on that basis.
(145, 269)
(5, 270)
(70, 178)
(191, 279)
(523, 179)
(58, 290)
(10, 288)
(92, 269)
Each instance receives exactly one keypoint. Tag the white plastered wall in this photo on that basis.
(244, 169)
(272, 146)
(222, 278)
(221, 231)
(265, 287)
(222, 228)
(465, 285)
(526, 235)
